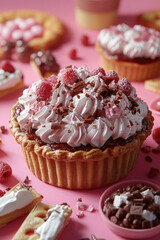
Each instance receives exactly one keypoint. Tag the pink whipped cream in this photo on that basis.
(19, 28)
(133, 42)
(79, 107)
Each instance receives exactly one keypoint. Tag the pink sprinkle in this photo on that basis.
(80, 214)
(80, 205)
(37, 30)
(91, 208)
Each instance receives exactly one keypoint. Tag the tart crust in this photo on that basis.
(80, 169)
(133, 71)
(53, 27)
(150, 19)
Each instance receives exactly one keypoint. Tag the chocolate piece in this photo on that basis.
(45, 61)
(136, 210)
(137, 194)
(121, 213)
(148, 159)
(146, 224)
(78, 87)
(23, 51)
(114, 219)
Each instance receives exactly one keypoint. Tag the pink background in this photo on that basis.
(10, 151)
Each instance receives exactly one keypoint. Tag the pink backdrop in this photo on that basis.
(10, 151)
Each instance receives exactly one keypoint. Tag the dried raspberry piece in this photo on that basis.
(97, 71)
(2, 193)
(85, 40)
(3, 130)
(7, 67)
(153, 172)
(156, 135)
(44, 90)
(68, 76)
(5, 172)
(73, 54)
(146, 149)
(111, 75)
(125, 85)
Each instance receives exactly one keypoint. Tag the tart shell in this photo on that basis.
(80, 169)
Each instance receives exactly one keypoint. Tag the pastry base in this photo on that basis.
(153, 85)
(20, 212)
(133, 71)
(7, 91)
(95, 20)
(80, 169)
(35, 219)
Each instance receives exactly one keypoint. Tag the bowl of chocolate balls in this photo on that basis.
(131, 209)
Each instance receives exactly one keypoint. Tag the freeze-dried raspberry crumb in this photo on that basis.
(146, 149)
(156, 135)
(97, 71)
(73, 54)
(5, 172)
(125, 85)
(3, 130)
(91, 208)
(2, 193)
(153, 172)
(44, 90)
(80, 205)
(68, 76)
(156, 150)
(85, 40)
(80, 214)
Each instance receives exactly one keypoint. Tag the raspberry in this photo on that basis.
(73, 54)
(111, 75)
(85, 40)
(7, 67)
(52, 79)
(156, 135)
(5, 172)
(68, 76)
(98, 70)
(44, 90)
(125, 85)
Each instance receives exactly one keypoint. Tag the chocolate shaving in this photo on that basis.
(103, 91)
(148, 159)
(89, 120)
(77, 87)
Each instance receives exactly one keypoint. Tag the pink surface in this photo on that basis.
(10, 151)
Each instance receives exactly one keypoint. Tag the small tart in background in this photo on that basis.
(53, 218)
(18, 201)
(44, 63)
(11, 79)
(150, 19)
(41, 30)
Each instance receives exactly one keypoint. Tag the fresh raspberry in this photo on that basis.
(7, 67)
(85, 40)
(5, 172)
(111, 75)
(52, 79)
(68, 76)
(44, 90)
(156, 135)
(98, 70)
(73, 54)
(125, 85)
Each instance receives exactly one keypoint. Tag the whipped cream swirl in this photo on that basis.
(88, 111)
(136, 42)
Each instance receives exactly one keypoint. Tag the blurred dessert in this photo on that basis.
(44, 63)
(150, 19)
(17, 202)
(132, 52)
(81, 124)
(11, 79)
(96, 14)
